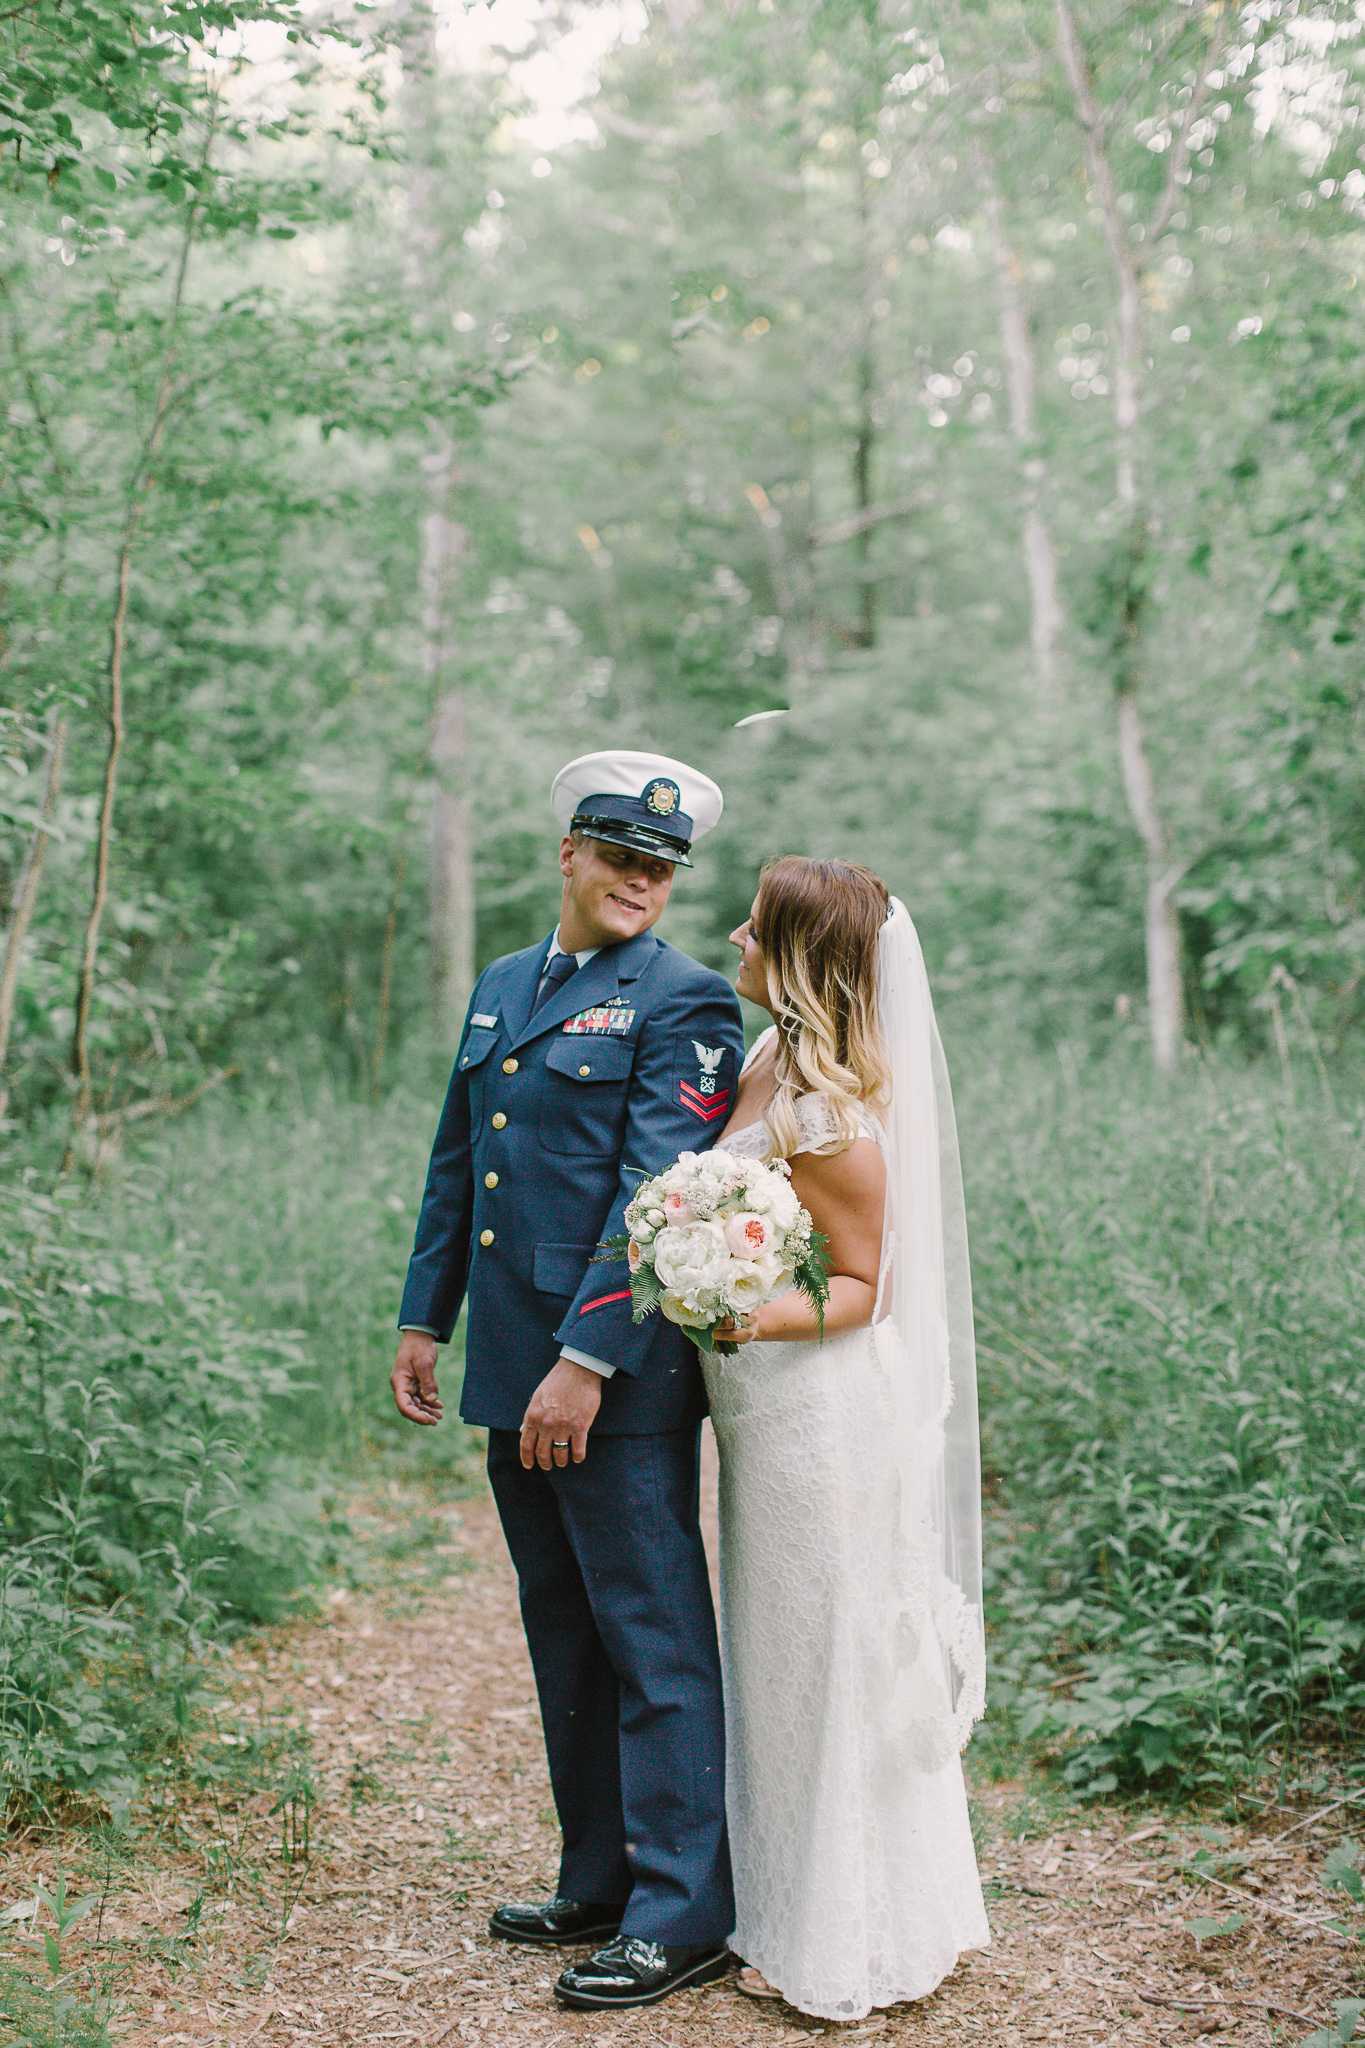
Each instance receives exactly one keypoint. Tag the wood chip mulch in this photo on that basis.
(412, 1708)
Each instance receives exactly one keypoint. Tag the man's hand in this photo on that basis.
(413, 1378)
(562, 1411)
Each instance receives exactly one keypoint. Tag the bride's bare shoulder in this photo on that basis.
(862, 1160)
(856, 1175)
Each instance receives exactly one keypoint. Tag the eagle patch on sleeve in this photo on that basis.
(705, 1075)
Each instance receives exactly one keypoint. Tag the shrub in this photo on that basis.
(144, 1502)
(304, 1199)
(1169, 1295)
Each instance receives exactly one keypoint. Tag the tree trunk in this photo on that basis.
(866, 633)
(139, 486)
(452, 866)
(1046, 614)
(26, 893)
(451, 897)
(85, 990)
(1161, 925)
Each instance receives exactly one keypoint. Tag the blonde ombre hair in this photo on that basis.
(817, 923)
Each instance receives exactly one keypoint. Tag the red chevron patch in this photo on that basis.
(707, 1107)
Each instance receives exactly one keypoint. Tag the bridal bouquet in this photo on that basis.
(717, 1236)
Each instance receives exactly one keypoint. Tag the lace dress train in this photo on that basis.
(855, 1872)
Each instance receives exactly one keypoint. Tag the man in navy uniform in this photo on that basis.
(593, 1056)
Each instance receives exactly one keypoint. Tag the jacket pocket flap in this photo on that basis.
(559, 1268)
(588, 1057)
(477, 1047)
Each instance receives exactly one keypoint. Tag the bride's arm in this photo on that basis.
(845, 1193)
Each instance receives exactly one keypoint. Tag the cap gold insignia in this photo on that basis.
(662, 799)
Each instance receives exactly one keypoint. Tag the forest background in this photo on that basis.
(399, 403)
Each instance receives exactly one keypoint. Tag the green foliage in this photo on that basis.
(301, 1202)
(1203, 1928)
(1170, 1323)
(1341, 1875)
(727, 400)
(1349, 2012)
(145, 1503)
(50, 2014)
(1341, 1871)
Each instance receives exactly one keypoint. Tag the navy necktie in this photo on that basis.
(560, 969)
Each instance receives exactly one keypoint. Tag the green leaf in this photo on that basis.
(1341, 1873)
(1204, 1929)
(1348, 2016)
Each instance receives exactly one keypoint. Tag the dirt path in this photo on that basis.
(432, 1804)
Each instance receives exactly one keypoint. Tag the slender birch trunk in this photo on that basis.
(1046, 614)
(866, 633)
(452, 861)
(451, 889)
(1164, 992)
(137, 500)
(26, 892)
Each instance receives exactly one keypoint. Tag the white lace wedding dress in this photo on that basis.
(855, 1875)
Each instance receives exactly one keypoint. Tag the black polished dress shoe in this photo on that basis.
(630, 1972)
(559, 1923)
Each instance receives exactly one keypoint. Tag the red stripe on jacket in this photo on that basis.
(603, 1299)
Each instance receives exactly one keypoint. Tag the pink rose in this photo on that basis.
(634, 1257)
(677, 1211)
(749, 1236)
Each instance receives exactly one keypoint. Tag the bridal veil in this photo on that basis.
(922, 1327)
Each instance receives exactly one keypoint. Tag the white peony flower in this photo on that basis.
(775, 1274)
(676, 1309)
(692, 1257)
(744, 1288)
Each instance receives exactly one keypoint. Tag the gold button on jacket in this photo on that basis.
(509, 1066)
(485, 1237)
(498, 1120)
(490, 1180)
(585, 1070)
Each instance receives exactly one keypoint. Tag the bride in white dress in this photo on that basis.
(851, 1634)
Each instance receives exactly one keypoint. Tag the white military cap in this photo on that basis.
(646, 801)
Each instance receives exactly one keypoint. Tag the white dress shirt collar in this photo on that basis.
(588, 952)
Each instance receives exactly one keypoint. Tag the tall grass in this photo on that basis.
(1169, 1299)
(145, 1500)
(299, 1203)
(1169, 1284)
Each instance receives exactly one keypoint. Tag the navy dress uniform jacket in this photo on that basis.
(631, 1062)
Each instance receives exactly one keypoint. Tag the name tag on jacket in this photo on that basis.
(608, 1018)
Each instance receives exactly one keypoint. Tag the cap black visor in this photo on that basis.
(640, 838)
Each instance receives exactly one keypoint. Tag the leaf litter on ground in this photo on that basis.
(405, 1723)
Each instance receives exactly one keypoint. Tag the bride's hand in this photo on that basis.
(742, 1332)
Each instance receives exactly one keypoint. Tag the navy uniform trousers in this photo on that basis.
(617, 1608)
(632, 1062)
